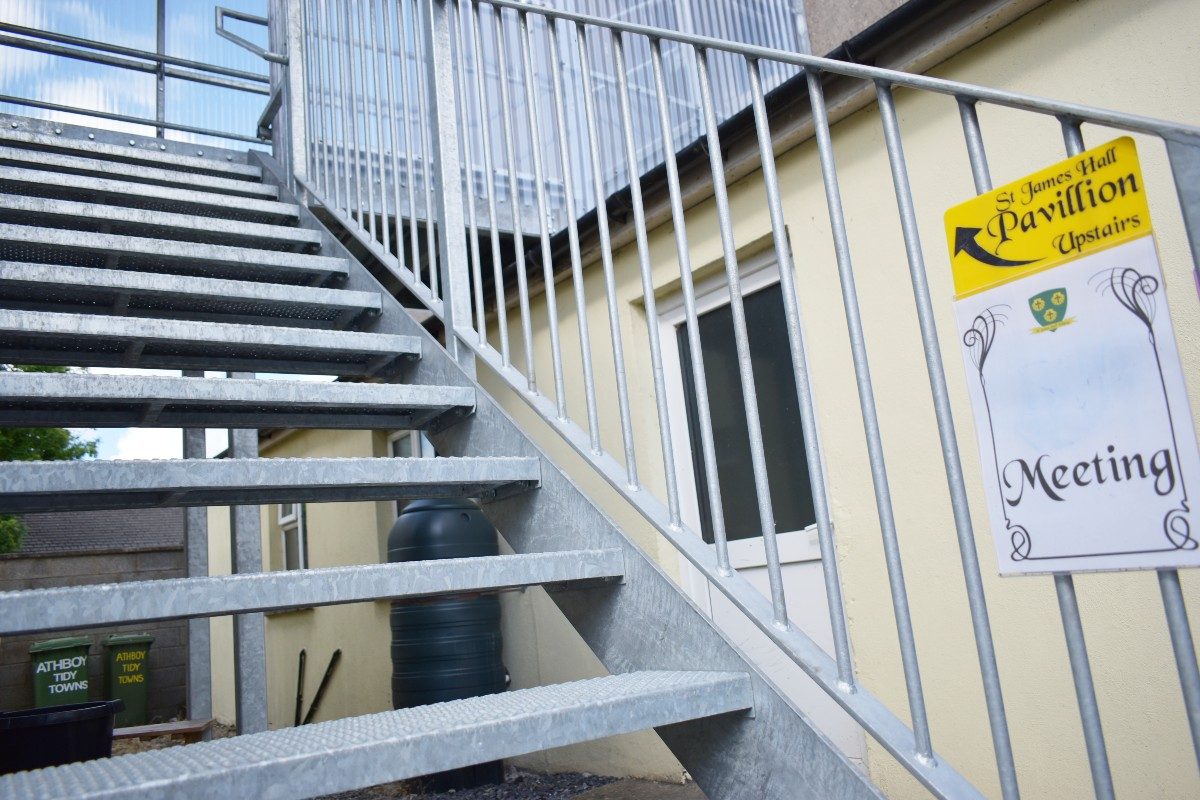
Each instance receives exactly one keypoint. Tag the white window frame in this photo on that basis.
(288, 523)
(419, 447)
(757, 272)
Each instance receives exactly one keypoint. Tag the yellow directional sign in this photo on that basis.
(1079, 206)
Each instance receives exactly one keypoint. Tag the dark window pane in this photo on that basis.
(787, 469)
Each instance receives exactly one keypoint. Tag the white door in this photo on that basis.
(803, 579)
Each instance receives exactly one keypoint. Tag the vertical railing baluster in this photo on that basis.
(870, 417)
(424, 64)
(585, 341)
(337, 53)
(489, 175)
(324, 79)
(514, 198)
(1068, 605)
(380, 146)
(606, 258)
(949, 442)
(349, 104)
(803, 381)
(1184, 648)
(308, 35)
(394, 130)
(741, 337)
(695, 346)
(643, 250)
(364, 144)
(469, 166)
(445, 154)
(406, 33)
(525, 45)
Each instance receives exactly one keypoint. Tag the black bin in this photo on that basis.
(446, 648)
(46, 737)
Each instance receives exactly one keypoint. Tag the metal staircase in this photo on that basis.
(135, 252)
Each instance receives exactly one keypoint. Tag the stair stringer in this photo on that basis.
(645, 623)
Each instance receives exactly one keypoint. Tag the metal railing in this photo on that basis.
(415, 110)
(158, 63)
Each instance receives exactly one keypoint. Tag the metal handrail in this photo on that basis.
(1018, 100)
(134, 60)
(222, 13)
(157, 58)
(350, 176)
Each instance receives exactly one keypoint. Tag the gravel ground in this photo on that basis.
(518, 785)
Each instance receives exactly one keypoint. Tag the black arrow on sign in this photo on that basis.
(964, 241)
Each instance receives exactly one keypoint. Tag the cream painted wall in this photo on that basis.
(356, 533)
(1134, 57)
(338, 534)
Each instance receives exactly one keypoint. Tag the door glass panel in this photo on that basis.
(787, 469)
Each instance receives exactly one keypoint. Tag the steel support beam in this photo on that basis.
(195, 537)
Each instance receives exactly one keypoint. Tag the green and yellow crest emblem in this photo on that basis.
(1049, 309)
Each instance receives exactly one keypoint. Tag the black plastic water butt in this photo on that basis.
(446, 648)
(46, 737)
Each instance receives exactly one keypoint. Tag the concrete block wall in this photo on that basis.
(167, 666)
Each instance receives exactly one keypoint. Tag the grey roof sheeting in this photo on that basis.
(66, 533)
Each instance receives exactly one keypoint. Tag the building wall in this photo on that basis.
(1101, 52)
(167, 667)
(339, 534)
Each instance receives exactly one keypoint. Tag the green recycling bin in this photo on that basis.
(60, 670)
(127, 675)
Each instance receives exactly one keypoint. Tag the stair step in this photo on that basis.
(56, 287)
(129, 154)
(167, 255)
(33, 486)
(92, 340)
(98, 167)
(94, 606)
(154, 224)
(126, 401)
(44, 183)
(395, 745)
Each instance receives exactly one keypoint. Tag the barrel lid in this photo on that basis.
(440, 504)
(60, 644)
(128, 638)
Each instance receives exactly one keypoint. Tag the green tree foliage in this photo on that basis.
(35, 444)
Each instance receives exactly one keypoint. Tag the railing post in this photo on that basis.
(285, 34)
(160, 74)
(195, 534)
(448, 198)
(249, 630)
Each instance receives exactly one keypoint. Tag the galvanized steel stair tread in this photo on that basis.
(87, 340)
(161, 255)
(82, 400)
(31, 486)
(394, 745)
(98, 605)
(152, 224)
(130, 153)
(100, 167)
(58, 287)
(119, 191)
